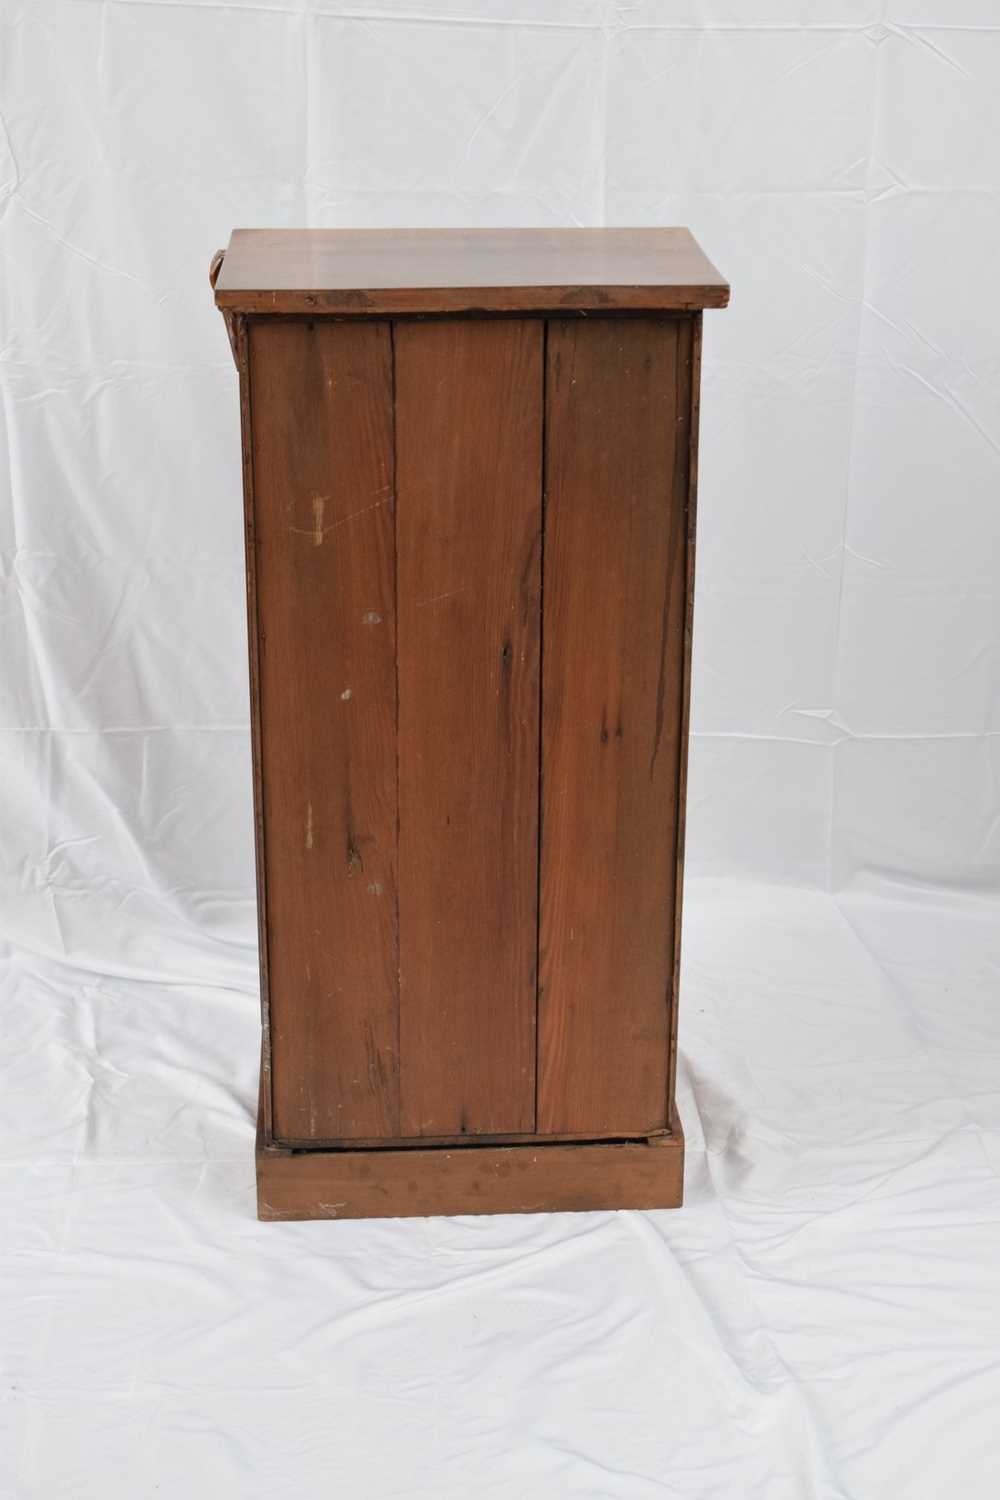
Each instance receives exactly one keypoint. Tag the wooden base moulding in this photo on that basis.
(417, 1182)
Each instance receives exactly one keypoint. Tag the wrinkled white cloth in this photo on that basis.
(820, 1322)
(821, 1319)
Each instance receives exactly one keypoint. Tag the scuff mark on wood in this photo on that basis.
(436, 598)
(318, 531)
(376, 505)
(309, 826)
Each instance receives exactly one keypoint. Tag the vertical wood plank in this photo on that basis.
(618, 394)
(321, 398)
(468, 456)
(693, 400)
(237, 329)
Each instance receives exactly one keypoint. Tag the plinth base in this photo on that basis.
(418, 1180)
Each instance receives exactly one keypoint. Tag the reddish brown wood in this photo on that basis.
(236, 328)
(323, 505)
(468, 445)
(416, 787)
(615, 566)
(229, 318)
(394, 271)
(470, 1179)
(693, 403)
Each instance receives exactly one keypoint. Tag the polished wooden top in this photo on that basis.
(390, 271)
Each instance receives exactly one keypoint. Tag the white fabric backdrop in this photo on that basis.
(822, 1318)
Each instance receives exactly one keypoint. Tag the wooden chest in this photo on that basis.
(469, 466)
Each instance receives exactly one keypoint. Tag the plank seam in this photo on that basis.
(395, 627)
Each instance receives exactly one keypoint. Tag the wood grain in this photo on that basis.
(470, 1180)
(396, 271)
(469, 476)
(618, 395)
(468, 456)
(325, 587)
(694, 407)
(239, 335)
